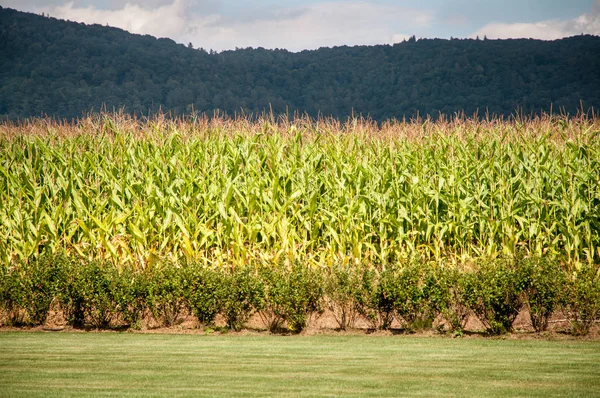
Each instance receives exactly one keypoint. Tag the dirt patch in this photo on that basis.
(56, 320)
(319, 324)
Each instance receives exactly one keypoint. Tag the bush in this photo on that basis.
(411, 292)
(72, 296)
(291, 296)
(371, 302)
(29, 288)
(386, 296)
(453, 300)
(204, 293)
(135, 290)
(420, 297)
(12, 294)
(167, 286)
(582, 301)
(543, 282)
(96, 292)
(342, 294)
(380, 296)
(101, 294)
(4, 301)
(242, 294)
(493, 293)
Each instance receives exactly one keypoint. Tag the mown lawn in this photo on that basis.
(124, 364)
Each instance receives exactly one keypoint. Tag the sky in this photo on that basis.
(299, 25)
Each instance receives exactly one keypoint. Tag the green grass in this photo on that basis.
(109, 364)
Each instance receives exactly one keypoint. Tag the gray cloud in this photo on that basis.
(295, 28)
(548, 30)
(261, 14)
(31, 5)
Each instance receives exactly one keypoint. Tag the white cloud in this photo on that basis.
(163, 21)
(312, 26)
(546, 30)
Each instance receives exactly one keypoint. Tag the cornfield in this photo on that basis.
(228, 191)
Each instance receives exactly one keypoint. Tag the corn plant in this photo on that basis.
(231, 191)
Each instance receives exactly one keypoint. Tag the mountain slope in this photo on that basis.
(62, 69)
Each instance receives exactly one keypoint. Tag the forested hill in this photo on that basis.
(62, 69)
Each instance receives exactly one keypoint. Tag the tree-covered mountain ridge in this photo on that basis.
(64, 69)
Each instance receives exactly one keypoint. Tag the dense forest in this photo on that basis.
(63, 69)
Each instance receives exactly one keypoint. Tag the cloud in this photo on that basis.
(546, 30)
(32, 5)
(162, 21)
(295, 28)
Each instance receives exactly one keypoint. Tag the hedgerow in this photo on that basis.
(286, 296)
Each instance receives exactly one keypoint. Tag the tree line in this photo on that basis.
(64, 69)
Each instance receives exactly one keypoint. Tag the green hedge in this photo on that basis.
(415, 293)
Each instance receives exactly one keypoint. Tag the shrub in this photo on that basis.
(582, 301)
(135, 289)
(387, 296)
(167, 286)
(420, 296)
(342, 292)
(95, 291)
(29, 288)
(411, 292)
(12, 293)
(493, 293)
(380, 297)
(204, 293)
(370, 302)
(242, 293)
(291, 296)
(543, 282)
(72, 296)
(453, 299)
(4, 302)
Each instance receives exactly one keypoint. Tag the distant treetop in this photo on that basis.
(63, 69)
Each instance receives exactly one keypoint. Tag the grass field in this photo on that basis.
(109, 364)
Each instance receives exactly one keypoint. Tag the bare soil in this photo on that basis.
(319, 324)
